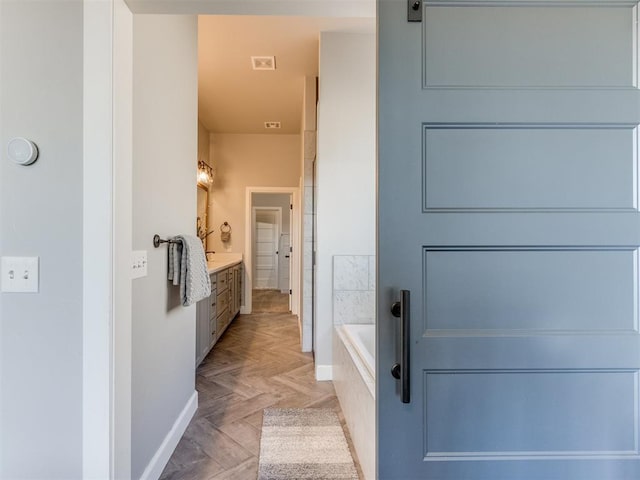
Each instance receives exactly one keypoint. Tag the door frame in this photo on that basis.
(107, 230)
(295, 244)
(276, 240)
(107, 198)
(281, 271)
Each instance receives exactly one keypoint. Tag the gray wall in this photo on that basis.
(41, 215)
(165, 116)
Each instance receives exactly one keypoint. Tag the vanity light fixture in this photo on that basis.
(205, 174)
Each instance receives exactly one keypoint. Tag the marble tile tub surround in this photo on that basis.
(354, 287)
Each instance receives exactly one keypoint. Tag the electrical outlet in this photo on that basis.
(138, 263)
(19, 274)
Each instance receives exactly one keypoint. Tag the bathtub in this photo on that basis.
(354, 381)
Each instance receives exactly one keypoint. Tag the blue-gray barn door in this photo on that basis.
(508, 207)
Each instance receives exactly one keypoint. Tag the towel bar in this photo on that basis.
(157, 240)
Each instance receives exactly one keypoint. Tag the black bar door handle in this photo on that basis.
(402, 310)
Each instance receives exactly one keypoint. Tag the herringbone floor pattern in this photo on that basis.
(256, 364)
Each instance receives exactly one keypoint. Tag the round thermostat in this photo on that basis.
(22, 151)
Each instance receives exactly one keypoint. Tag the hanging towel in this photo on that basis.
(188, 268)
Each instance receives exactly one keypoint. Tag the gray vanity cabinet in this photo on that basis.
(205, 327)
(202, 327)
(223, 301)
(235, 283)
(213, 309)
(214, 314)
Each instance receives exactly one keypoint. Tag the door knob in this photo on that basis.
(395, 371)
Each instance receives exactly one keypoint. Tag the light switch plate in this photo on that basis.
(138, 263)
(19, 274)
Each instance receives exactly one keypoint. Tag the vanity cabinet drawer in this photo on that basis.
(213, 311)
(223, 320)
(213, 326)
(222, 280)
(222, 301)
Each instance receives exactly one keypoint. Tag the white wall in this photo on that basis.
(41, 215)
(345, 181)
(242, 161)
(165, 149)
(308, 158)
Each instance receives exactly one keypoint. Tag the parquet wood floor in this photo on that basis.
(256, 364)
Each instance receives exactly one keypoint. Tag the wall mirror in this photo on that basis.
(202, 220)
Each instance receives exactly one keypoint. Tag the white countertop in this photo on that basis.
(220, 261)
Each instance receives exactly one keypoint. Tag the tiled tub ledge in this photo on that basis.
(354, 381)
(354, 289)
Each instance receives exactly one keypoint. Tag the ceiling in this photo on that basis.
(234, 98)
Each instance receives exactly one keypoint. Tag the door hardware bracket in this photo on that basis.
(414, 10)
(400, 370)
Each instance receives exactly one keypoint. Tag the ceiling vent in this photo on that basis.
(272, 125)
(263, 63)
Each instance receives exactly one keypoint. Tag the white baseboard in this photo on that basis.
(163, 454)
(324, 372)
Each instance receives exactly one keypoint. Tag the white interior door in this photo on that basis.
(266, 234)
